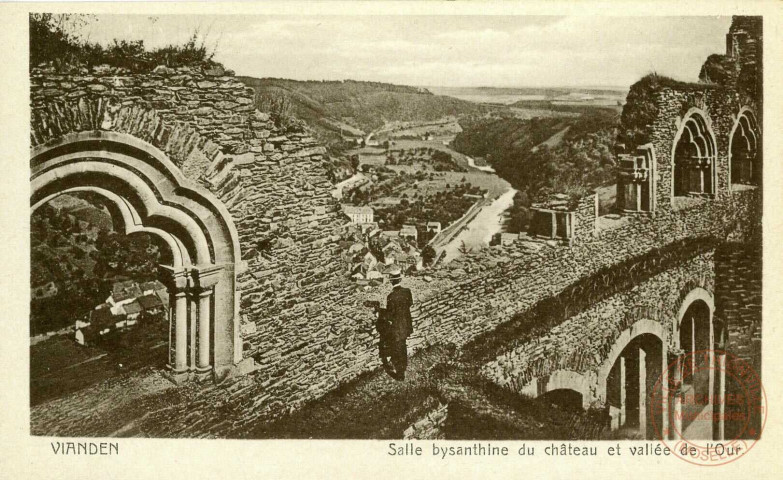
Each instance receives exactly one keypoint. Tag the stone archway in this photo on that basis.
(694, 155)
(745, 150)
(149, 193)
(694, 337)
(631, 377)
(565, 384)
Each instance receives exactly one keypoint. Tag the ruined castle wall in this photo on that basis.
(272, 181)
(302, 320)
(583, 342)
(721, 107)
(510, 282)
(585, 217)
(738, 299)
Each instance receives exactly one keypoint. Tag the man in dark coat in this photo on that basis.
(398, 311)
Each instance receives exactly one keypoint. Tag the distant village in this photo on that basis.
(372, 253)
(130, 303)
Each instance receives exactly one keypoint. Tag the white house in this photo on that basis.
(359, 214)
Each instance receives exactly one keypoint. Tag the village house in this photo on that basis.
(390, 235)
(123, 292)
(474, 196)
(359, 214)
(409, 261)
(409, 231)
(46, 290)
(132, 311)
(101, 322)
(124, 308)
(367, 227)
(149, 288)
(391, 251)
(433, 227)
(151, 304)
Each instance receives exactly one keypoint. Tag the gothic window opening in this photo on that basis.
(745, 152)
(694, 159)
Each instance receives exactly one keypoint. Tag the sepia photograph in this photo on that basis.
(396, 227)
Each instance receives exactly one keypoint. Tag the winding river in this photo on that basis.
(480, 230)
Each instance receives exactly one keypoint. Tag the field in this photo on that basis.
(376, 156)
(443, 128)
(494, 185)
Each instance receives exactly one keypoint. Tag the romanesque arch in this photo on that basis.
(695, 339)
(745, 149)
(694, 156)
(149, 193)
(563, 384)
(630, 376)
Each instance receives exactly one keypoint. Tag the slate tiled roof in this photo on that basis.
(132, 308)
(150, 301)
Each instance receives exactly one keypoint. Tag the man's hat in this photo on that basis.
(395, 274)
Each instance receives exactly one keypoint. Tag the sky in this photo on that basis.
(498, 51)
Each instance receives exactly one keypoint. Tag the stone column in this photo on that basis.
(721, 366)
(664, 394)
(176, 280)
(204, 330)
(638, 192)
(181, 331)
(554, 225)
(642, 393)
(676, 430)
(623, 406)
(204, 277)
(693, 348)
(193, 297)
(701, 180)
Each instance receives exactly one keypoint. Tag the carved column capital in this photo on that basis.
(175, 278)
(204, 277)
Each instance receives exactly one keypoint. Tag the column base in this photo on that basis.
(203, 373)
(177, 377)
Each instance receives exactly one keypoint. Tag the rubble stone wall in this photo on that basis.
(720, 107)
(582, 343)
(303, 321)
(738, 299)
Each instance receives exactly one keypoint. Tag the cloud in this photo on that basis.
(444, 50)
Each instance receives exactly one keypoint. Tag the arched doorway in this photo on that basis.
(696, 343)
(745, 150)
(105, 311)
(632, 383)
(149, 193)
(694, 158)
(564, 398)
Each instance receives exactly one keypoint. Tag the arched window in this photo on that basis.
(694, 159)
(150, 194)
(745, 151)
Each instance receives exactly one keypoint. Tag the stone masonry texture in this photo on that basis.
(302, 320)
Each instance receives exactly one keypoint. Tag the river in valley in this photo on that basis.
(480, 230)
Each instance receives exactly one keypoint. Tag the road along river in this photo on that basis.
(479, 231)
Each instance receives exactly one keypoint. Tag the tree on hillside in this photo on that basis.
(428, 255)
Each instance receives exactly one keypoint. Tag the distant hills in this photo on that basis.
(353, 107)
(593, 96)
(571, 155)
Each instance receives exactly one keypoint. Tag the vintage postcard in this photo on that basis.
(488, 241)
